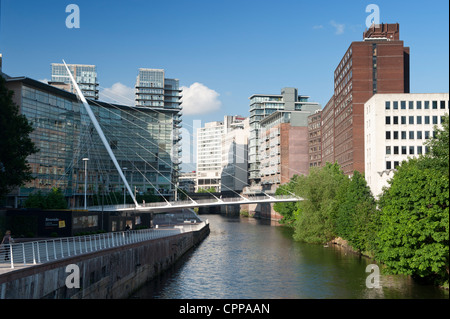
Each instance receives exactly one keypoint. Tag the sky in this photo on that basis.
(222, 51)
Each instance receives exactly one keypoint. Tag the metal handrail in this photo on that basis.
(42, 251)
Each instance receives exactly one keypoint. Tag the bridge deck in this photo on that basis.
(175, 205)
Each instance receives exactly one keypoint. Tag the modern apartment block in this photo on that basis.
(84, 75)
(378, 64)
(396, 127)
(154, 90)
(263, 105)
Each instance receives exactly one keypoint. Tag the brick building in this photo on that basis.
(378, 64)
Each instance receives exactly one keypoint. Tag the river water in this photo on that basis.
(245, 258)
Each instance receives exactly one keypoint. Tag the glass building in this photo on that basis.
(144, 141)
(84, 75)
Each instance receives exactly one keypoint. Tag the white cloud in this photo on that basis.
(316, 27)
(199, 99)
(118, 93)
(339, 27)
(44, 80)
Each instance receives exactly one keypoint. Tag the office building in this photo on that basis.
(263, 105)
(234, 176)
(209, 156)
(283, 147)
(142, 140)
(396, 128)
(84, 75)
(378, 64)
(315, 139)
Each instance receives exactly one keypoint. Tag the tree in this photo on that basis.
(317, 212)
(15, 143)
(287, 210)
(53, 200)
(355, 212)
(414, 222)
(439, 147)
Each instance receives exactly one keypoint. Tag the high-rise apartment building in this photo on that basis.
(222, 153)
(378, 64)
(396, 128)
(315, 139)
(263, 105)
(84, 75)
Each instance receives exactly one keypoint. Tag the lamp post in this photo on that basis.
(124, 187)
(85, 181)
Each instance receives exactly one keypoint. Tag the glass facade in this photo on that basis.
(145, 143)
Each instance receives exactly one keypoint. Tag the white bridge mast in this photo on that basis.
(102, 136)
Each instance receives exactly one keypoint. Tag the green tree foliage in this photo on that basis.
(414, 234)
(317, 212)
(439, 146)
(15, 143)
(287, 210)
(53, 200)
(356, 211)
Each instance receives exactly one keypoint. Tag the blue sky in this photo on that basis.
(230, 49)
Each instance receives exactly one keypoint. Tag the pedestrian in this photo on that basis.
(7, 239)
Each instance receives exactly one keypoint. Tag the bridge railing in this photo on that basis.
(38, 252)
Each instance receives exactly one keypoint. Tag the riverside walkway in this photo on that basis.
(27, 254)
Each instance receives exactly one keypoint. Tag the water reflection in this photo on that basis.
(248, 258)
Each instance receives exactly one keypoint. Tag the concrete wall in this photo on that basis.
(112, 273)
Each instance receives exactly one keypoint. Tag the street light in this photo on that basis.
(124, 169)
(85, 181)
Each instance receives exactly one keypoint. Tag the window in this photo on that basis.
(419, 120)
(387, 105)
(411, 120)
(427, 135)
(388, 150)
(388, 165)
(411, 105)
(434, 105)
(395, 119)
(404, 150)
(403, 105)
(419, 135)
(403, 119)
(388, 120)
(427, 119)
(419, 105)
(435, 119)
(427, 105)
(388, 135)
(411, 150)
(419, 150)
(395, 135)
(396, 164)
(442, 105)
(395, 105)
(411, 135)
(403, 133)
(395, 150)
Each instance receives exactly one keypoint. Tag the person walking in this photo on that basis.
(7, 240)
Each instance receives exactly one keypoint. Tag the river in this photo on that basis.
(245, 258)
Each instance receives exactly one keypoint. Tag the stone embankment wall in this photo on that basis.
(111, 273)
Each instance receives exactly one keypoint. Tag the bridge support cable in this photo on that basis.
(100, 132)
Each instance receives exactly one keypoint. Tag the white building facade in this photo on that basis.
(396, 126)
